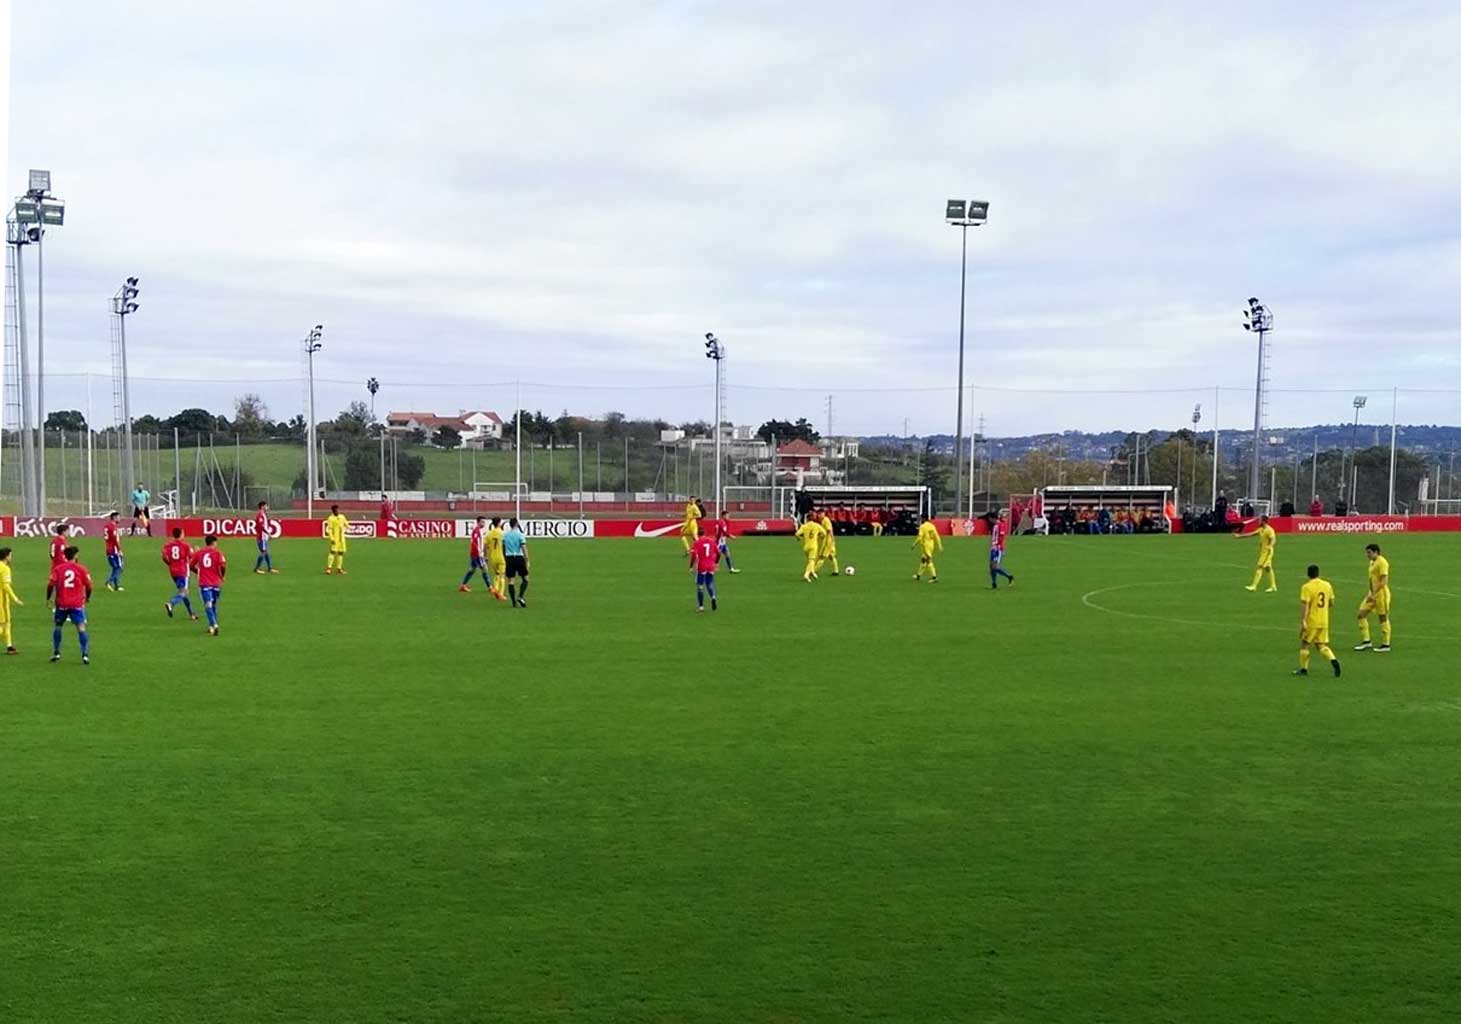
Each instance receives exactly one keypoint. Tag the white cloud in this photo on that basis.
(575, 192)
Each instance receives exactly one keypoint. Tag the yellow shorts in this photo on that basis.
(1379, 603)
(1265, 563)
(337, 550)
(1317, 635)
(497, 567)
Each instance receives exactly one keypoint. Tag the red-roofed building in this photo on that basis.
(798, 455)
(476, 427)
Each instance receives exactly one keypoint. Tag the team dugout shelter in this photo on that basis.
(1100, 508)
(854, 509)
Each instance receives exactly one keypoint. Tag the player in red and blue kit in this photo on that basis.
(264, 564)
(998, 531)
(704, 558)
(177, 555)
(722, 531)
(477, 557)
(114, 552)
(210, 565)
(70, 584)
(59, 544)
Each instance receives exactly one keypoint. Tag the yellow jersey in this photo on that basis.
(493, 543)
(928, 537)
(830, 541)
(7, 592)
(1267, 537)
(335, 531)
(1379, 567)
(811, 534)
(1318, 596)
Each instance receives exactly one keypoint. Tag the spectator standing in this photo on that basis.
(1316, 507)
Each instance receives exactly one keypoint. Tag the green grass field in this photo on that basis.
(1099, 796)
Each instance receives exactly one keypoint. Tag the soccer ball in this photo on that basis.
(850, 571)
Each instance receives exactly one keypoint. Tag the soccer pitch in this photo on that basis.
(1097, 796)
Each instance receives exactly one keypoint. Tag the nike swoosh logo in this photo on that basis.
(659, 531)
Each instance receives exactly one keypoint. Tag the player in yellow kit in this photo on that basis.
(1377, 600)
(811, 534)
(926, 543)
(335, 527)
(1316, 597)
(496, 560)
(8, 599)
(690, 528)
(1267, 538)
(829, 546)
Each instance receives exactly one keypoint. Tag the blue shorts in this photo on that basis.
(263, 542)
(181, 582)
(996, 556)
(478, 563)
(115, 561)
(704, 579)
(76, 615)
(210, 595)
(724, 545)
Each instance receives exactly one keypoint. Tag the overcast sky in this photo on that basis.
(573, 193)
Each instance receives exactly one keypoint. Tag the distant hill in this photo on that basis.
(1426, 439)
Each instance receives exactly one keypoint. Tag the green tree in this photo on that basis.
(785, 430)
(191, 422)
(448, 438)
(66, 419)
(250, 415)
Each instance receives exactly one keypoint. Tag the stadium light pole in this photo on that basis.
(1257, 318)
(1196, 419)
(18, 235)
(50, 212)
(714, 350)
(124, 304)
(962, 214)
(1345, 481)
(311, 346)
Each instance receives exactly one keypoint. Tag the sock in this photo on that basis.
(699, 597)
(211, 610)
(1272, 579)
(85, 639)
(1328, 653)
(728, 563)
(512, 593)
(522, 591)
(5, 634)
(188, 605)
(468, 577)
(258, 563)
(994, 578)
(932, 569)
(811, 567)
(177, 599)
(711, 587)
(1257, 575)
(56, 640)
(1385, 632)
(836, 566)
(1304, 658)
(268, 561)
(1365, 630)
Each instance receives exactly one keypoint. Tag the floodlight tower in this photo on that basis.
(124, 304)
(1258, 318)
(1350, 483)
(311, 346)
(962, 214)
(716, 351)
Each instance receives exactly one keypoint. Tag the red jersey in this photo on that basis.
(114, 542)
(706, 554)
(209, 564)
(386, 508)
(261, 524)
(996, 535)
(72, 584)
(178, 555)
(58, 550)
(475, 545)
(722, 529)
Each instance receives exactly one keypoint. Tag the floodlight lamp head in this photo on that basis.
(131, 307)
(132, 282)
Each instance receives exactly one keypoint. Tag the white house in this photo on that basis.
(483, 426)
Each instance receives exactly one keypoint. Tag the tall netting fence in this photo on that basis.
(593, 449)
